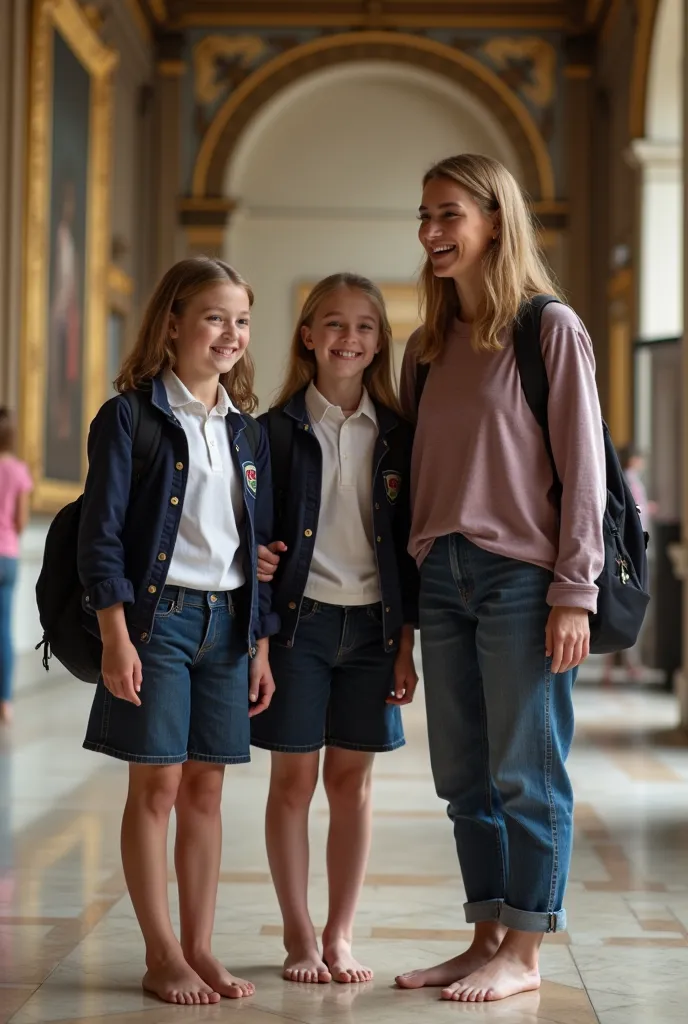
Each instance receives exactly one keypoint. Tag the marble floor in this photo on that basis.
(70, 950)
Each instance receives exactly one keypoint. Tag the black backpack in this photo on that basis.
(59, 591)
(623, 597)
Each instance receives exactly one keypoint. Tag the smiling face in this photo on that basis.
(344, 334)
(454, 230)
(212, 332)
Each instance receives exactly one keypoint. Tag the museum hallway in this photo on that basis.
(70, 948)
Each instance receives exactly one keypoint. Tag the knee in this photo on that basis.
(350, 785)
(201, 790)
(293, 786)
(155, 789)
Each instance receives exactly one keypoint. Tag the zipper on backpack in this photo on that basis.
(623, 569)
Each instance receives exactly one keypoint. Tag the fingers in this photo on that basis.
(138, 675)
(277, 546)
(549, 642)
(262, 704)
(557, 654)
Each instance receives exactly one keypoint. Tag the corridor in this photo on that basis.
(70, 948)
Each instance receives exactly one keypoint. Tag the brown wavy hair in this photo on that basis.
(378, 378)
(513, 266)
(154, 350)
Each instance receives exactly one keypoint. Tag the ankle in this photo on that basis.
(333, 937)
(522, 948)
(163, 956)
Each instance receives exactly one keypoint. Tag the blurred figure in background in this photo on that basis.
(15, 487)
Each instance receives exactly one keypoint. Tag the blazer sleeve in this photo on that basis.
(268, 621)
(100, 552)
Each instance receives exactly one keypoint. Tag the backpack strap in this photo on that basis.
(146, 433)
(281, 436)
(422, 371)
(532, 370)
(252, 430)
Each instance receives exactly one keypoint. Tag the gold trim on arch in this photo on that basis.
(233, 102)
(642, 50)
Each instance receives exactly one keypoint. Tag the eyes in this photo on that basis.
(425, 218)
(361, 327)
(217, 318)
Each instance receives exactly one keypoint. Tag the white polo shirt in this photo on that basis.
(207, 554)
(343, 569)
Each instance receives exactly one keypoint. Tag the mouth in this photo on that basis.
(436, 252)
(224, 351)
(345, 353)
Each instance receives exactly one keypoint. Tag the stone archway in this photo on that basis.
(242, 105)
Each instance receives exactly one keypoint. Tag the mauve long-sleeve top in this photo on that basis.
(480, 466)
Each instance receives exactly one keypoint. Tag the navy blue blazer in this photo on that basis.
(127, 535)
(297, 511)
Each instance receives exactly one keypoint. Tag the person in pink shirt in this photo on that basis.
(507, 574)
(15, 487)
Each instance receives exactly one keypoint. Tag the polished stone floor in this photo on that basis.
(70, 951)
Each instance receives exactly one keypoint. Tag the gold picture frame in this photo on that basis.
(401, 300)
(65, 300)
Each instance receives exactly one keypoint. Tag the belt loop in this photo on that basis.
(180, 600)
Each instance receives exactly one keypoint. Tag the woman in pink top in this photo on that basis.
(15, 486)
(507, 576)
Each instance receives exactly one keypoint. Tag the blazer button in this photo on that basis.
(144, 636)
(379, 540)
(390, 643)
(292, 605)
(377, 506)
(174, 501)
(162, 557)
(308, 533)
(237, 447)
(388, 609)
(152, 589)
(213, 598)
(179, 465)
(306, 426)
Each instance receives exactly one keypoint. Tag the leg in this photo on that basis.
(8, 578)
(292, 783)
(530, 729)
(152, 793)
(347, 778)
(197, 854)
(459, 754)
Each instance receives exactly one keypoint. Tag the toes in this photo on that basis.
(205, 999)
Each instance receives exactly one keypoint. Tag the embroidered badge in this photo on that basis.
(251, 477)
(392, 485)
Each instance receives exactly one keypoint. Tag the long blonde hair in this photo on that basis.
(154, 350)
(302, 367)
(513, 268)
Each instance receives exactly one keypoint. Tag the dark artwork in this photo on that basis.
(68, 205)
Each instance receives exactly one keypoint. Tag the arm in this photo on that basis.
(263, 527)
(100, 553)
(578, 447)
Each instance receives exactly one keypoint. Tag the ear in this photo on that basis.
(306, 337)
(172, 329)
(496, 225)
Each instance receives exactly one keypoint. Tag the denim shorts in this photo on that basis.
(194, 693)
(331, 686)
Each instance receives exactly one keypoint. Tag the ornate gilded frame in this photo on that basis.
(99, 61)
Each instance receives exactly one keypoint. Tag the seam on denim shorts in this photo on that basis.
(484, 740)
(122, 755)
(206, 644)
(548, 787)
(462, 579)
(284, 748)
(218, 758)
(342, 651)
(105, 717)
(370, 748)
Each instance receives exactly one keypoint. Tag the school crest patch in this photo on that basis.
(250, 477)
(392, 485)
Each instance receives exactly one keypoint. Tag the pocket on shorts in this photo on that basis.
(166, 605)
(374, 612)
(308, 609)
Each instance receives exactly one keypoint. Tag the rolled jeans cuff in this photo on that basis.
(510, 917)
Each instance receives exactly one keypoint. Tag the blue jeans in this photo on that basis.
(500, 727)
(194, 689)
(8, 579)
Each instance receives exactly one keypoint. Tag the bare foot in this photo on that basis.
(307, 966)
(505, 975)
(213, 972)
(475, 957)
(177, 982)
(342, 965)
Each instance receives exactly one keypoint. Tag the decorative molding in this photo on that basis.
(119, 281)
(159, 9)
(140, 20)
(542, 56)
(329, 19)
(220, 137)
(649, 154)
(171, 68)
(646, 14)
(610, 19)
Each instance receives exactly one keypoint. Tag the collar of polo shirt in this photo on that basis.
(318, 406)
(179, 396)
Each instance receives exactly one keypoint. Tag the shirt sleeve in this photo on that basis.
(25, 480)
(575, 423)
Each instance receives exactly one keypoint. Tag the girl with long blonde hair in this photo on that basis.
(346, 591)
(509, 552)
(167, 557)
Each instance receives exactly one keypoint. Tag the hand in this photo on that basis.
(405, 675)
(261, 683)
(567, 637)
(121, 668)
(269, 559)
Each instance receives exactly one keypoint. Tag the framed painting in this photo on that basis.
(64, 347)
